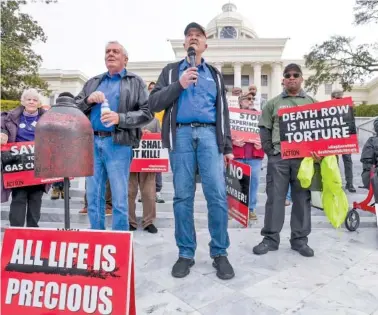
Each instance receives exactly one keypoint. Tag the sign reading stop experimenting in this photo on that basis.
(66, 272)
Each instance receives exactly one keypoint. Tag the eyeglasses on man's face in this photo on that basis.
(295, 75)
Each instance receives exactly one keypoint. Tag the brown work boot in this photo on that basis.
(62, 194)
(252, 216)
(83, 211)
(108, 210)
(55, 194)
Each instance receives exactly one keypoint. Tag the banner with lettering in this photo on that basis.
(150, 156)
(244, 124)
(233, 101)
(17, 161)
(238, 176)
(62, 272)
(325, 128)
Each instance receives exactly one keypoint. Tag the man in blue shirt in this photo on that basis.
(196, 129)
(116, 132)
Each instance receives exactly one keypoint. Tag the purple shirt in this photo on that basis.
(26, 128)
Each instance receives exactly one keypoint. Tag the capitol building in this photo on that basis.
(237, 51)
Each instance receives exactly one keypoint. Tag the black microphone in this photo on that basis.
(192, 58)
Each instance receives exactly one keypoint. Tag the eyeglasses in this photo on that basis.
(294, 75)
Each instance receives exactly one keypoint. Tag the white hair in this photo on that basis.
(118, 43)
(33, 93)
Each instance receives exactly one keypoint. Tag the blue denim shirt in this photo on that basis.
(110, 86)
(197, 102)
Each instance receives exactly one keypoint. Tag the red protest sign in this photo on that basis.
(18, 165)
(150, 156)
(244, 124)
(238, 177)
(56, 272)
(326, 128)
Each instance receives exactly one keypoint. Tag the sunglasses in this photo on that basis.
(294, 75)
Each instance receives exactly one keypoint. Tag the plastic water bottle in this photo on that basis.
(105, 109)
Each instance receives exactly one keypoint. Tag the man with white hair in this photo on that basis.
(116, 132)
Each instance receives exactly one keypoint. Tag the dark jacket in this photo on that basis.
(165, 95)
(9, 125)
(133, 108)
(369, 156)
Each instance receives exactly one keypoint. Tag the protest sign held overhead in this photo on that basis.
(244, 124)
(233, 101)
(150, 156)
(237, 183)
(326, 128)
(46, 271)
(17, 161)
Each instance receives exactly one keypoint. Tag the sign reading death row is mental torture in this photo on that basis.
(150, 156)
(244, 124)
(17, 161)
(237, 183)
(325, 128)
(56, 272)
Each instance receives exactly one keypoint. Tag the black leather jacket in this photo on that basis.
(133, 108)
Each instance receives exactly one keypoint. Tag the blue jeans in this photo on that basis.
(110, 161)
(255, 165)
(288, 195)
(197, 147)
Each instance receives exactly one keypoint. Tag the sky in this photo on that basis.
(78, 30)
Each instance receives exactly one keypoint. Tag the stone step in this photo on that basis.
(200, 222)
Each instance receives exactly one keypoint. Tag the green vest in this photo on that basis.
(269, 115)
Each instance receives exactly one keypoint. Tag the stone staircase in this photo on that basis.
(52, 215)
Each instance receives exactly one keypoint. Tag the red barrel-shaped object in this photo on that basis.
(63, 142)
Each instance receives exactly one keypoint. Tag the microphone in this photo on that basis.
(192, 58)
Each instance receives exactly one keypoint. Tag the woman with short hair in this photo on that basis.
(18, 125)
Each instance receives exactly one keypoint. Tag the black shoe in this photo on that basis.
(132, 228)
(151, 229)
(263, 248)
(304, 250)
(223, 267)
(182, 267)
(350, 188)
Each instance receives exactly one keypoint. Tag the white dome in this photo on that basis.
(230, 15)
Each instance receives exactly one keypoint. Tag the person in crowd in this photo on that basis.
(159, 177)
(347, 158)
(236, 91)
(18, 125)
(257, 100)
(369, 159)
(108, 201)
(147, 185)
(116, 132)
(251, 154)
(282, 173)
(288, 197)
(58, 187)
(196, 129)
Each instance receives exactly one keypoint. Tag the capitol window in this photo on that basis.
(245, 80)
(264, 80)
(327, 89)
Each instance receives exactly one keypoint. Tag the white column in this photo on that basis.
(276, 79)
(219, 66)
(257, 76)
(237, 74)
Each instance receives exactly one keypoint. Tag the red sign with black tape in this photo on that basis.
(325, 128)
(17, 161)
(238, 177)
(56, 272)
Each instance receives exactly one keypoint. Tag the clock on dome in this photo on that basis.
(228, 32)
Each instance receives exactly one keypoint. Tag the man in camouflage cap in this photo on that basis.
(347, 158)
(282, 173)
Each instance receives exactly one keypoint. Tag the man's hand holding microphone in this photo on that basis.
(188, 77)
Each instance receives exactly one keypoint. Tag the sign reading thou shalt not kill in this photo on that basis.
(326, 128)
